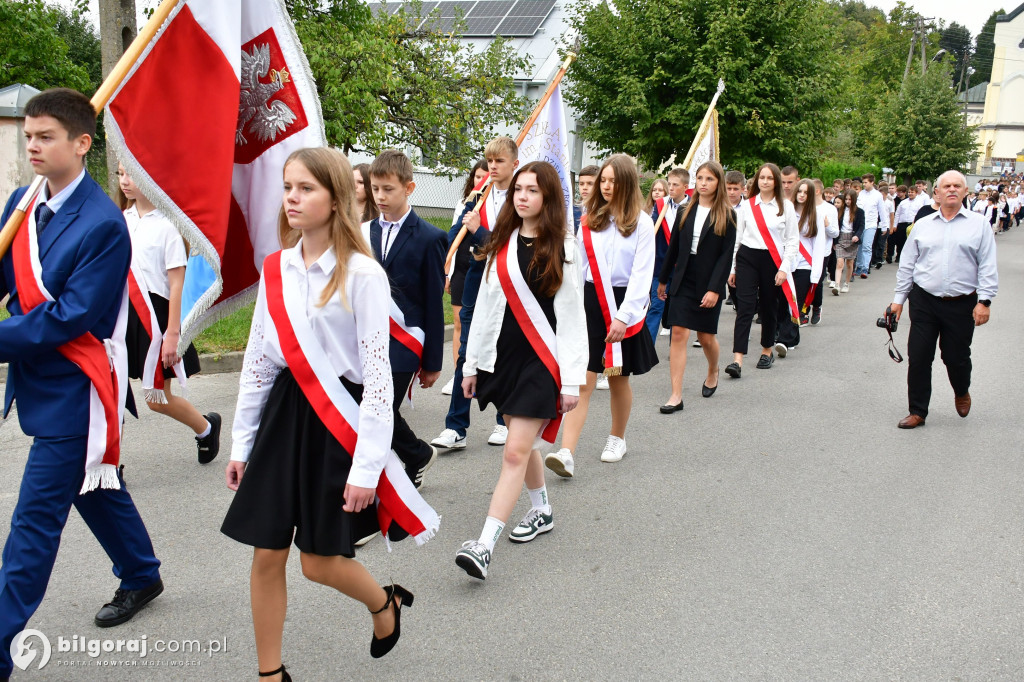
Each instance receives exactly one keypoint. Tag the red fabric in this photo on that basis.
(666, 229)
(137, 299)
(406, 339)
(814, 285)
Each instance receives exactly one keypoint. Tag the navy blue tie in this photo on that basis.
(43, 215)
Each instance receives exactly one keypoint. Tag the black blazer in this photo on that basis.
(712, 261)
(858, 222)
(415, 267)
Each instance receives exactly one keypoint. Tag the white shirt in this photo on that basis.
(671, 208)
(698, 224)
(389, 232)
(355, 342)
(54, 203)
(890, 211)
(156, 248)
(873, 205)
(830, 232)
(828, 210)
(495, 202)
(782, 226)
(906, 211)
(629, 261)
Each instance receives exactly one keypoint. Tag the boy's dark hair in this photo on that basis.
(588, 171)
(867, 177)
(735, 177)
(902, 188)
(71, 108)
(790, 170)
(392, 162)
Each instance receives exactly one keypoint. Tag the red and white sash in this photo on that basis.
(666, 228)
(104, 362)
(606, 297)
(397, 499)
(153, 372)
(813, 251)
(775, 248)
(531, 319)
(410, 337)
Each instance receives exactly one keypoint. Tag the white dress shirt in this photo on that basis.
(55, 202)
(698, 225)
(949, 257)
(825, 232)
(906, 211)
(629, 261)
(156, 248)
(873, 205)
(389, 232)
(784, 226)
(355, 341)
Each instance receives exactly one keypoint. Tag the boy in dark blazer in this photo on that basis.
(412, 252)
(84, 254)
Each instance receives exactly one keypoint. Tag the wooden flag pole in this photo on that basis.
(99, 100)
(486, 189)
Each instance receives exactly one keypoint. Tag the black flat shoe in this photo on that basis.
(285, 677)
(379, 647)
(125, 604)
(734, 370)
(669, 409)
(766, 361)
(708, 392)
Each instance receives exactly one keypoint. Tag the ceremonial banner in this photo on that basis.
(548, 140)
(705, 147)
(203, 124)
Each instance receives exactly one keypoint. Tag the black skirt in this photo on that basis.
(294, 484)
(638, 354)
(683, 309)
(137, 341)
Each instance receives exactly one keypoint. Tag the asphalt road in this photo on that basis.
(782, 530)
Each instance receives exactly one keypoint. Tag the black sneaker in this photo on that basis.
(416, 471)
(815, 315)
(209, 447)
(125, 604)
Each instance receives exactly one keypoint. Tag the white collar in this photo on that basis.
(326, 262)
(55, 202)
(398, 223)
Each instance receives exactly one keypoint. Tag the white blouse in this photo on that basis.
(156, 248)
(698, 225)
(784, 226)
(629, 262)
(355, 342)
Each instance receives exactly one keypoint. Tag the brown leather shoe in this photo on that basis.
(963, 404)
(911, 421)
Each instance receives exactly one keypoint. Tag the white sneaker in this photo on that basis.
(602, 383)
(449, 440)
(665, 332)
(696, 343)
(498, 436)
(560, 462)
(781, 350)
(845, 289)
(614, 449)
(447, 390)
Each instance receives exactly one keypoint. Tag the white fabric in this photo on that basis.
(547, 141)
(906, 211)
(355, 341)
(890, 212)
(629, 262)
(873, 205)
(389, 232)
(698, 225)
(572, 346)
(783, 227)
(820, 245)
(156, 248)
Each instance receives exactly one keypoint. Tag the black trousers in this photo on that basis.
(755, 291)
(898, 240)
(819, 292)
(789, 331)
(950, 322)
(831, 267)
(409, 448)
(878, 247)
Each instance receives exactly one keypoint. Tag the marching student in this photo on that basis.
(828, 221)
(851, 228)
(412, 252)
(658, 191)
(455, 278)
(64, 345)
(816, 233)
(617, 251)
(669, 205)
(904, 217)
(366, 208)
(735, 186)
(697, 265)
(527, 350)
(788, 335)
(502, 156)
(766, 248)
(586, 181)
(156, 280)
(312, 440)
(886, 226)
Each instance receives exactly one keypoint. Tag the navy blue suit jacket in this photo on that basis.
(475, 273)
(85, 253)
(415, 267)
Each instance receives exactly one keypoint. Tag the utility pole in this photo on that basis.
(924, 61)
(118, 27)
(910, 54)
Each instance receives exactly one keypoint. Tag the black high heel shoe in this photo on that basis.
(379, 647)
(285, 677)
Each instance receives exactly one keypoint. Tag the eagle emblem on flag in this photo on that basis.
(263, 117)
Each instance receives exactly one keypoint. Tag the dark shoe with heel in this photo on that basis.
(285, 677)
(379, 647)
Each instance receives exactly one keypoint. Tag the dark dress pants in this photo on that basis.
(755, 291)
(406, 444)
(950, 322)
(457, 418)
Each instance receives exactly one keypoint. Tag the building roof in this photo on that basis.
(975, 95)
(1012, 15)
(13, 99)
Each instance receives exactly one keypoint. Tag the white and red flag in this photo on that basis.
(203, 124)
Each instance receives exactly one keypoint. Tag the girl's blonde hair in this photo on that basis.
(627, 200)
(332, 171)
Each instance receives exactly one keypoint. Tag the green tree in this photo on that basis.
(33, 51)
(647, 70)
(956, 40)
(984, 51)
(924, 132)
(384, 84)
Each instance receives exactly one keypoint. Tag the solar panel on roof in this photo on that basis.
(447, 12)
(525, 18)
(481, 26)
(491, 8)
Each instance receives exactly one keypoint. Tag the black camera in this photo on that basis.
(889, 322)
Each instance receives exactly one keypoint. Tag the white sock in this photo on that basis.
(491, 532)
(204, 434)
(539, 499)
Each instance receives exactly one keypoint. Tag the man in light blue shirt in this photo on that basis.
(871, 201)
(948, 272)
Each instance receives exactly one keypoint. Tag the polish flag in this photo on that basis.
(203, 124)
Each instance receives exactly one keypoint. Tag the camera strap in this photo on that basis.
(894, 352)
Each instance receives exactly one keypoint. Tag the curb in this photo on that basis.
(222, 363)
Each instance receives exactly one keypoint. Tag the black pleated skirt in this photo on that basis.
(520, 385)
(683, 309)
(137, 341)
(638, 354)
(294, 485)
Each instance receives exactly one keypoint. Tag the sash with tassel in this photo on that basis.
(397, 500)
(105, 362)
(815, 255)
(153, 372)
(666, 228)
(775, 249)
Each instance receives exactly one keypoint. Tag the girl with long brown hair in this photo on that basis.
(659, 190)
(617, 251)
(319, 329)
(697, 267)
(366, 207)
(527, 348)
(851, 228)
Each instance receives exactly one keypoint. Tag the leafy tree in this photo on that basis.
(647, 70)
(985, 50)
(956, 40)
(924, 133)
(384, 84)
(33, 51)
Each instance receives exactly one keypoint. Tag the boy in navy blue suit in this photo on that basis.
(84, 253)
(412, 252)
